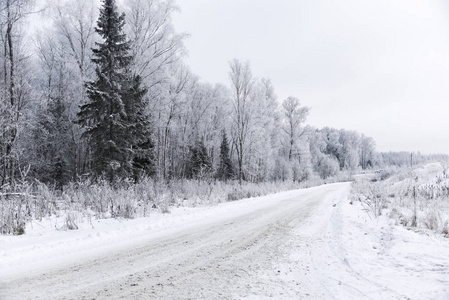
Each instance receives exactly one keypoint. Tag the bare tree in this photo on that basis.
(349, 150)
(241, 85)
(155, 45)
(167, 108)
(157, 51)
(294, 114)
(14, 81)
(367, 147)
(53, 153)
(74, 21)
(204, 118)
(74, 24)
(263, 126)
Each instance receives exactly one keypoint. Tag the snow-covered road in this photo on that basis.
(229, 257)
(292, 245)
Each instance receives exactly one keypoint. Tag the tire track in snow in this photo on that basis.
(221, 260)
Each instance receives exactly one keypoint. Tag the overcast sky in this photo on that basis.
(380, 67)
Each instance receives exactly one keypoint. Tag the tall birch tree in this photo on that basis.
(242, 83)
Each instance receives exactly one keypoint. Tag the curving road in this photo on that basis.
(254, 255)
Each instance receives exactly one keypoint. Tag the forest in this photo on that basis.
(99, 97)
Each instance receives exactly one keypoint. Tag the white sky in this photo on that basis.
(380, 67)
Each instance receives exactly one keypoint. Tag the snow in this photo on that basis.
(44, 247)
(315, 245)
(384, 261)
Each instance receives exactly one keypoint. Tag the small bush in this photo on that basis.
(70, 221)
(432, 221)
(384, 175)
(235, 195)
(16, 208)
(445, 229)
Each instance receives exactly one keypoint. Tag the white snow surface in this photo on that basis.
(303, 244)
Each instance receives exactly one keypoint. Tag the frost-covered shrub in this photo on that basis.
(301, 172)
(384, 174)
(432, 220)
(371, 195)
(328, 167)
(445, 229)
(45, 201)
(13, 214)
(282, 169)
(16, 208)
(70, 221)
(414, 197)
(164, 206)
(235, 195)
(125, 199)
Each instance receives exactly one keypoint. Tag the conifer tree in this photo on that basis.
(225, 169)
(115, 103)
(200, 164)
(51, 154)
(139, 128)
(59, 138)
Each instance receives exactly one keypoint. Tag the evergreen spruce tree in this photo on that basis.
(225, 169)
(60, 172)
(139, 129)
(200, 165)
(52, 137)
(114, 117)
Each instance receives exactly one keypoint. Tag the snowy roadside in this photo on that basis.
(344, 253)
(43, 247)
(379, 259)
(335, 251)
(228, 244)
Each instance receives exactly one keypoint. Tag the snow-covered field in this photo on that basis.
(309, 243)
(417, 198)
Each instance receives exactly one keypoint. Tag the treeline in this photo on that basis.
(407, 159)
(97, 94)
